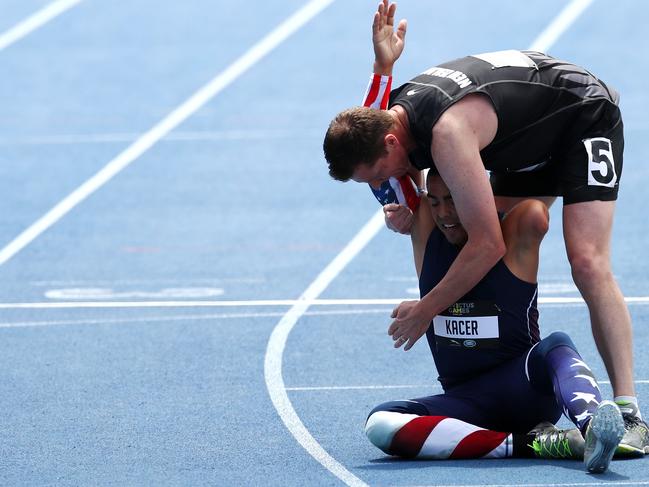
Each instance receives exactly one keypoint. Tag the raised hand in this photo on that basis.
(388, 43)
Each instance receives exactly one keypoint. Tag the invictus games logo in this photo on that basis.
(461, 309)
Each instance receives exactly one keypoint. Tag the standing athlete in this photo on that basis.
(544, 128)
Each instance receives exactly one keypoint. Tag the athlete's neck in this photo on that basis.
(402, 128)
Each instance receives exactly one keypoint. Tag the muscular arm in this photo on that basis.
(422, 226)
(458, 136)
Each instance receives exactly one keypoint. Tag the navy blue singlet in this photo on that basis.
(494, 322)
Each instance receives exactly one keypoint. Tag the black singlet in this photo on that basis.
(543, 105)
(494, 322)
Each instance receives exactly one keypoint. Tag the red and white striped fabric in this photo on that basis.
(377, 94)
(434, 437)
(396, 190)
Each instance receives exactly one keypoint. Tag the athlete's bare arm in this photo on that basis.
(459, 135)
(422, 225)
(388, 43)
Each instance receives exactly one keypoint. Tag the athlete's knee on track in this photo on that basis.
(387, 419)
(538, 367)
(554, 340)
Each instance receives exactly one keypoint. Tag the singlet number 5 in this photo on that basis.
(601, 167)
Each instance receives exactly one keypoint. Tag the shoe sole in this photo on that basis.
(608, 427)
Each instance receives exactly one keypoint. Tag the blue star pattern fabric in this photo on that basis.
(402, 191)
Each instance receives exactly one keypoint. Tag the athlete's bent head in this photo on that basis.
(355, 138)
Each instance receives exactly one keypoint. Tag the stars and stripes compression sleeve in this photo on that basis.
(435, 437)
(377, 94)
(401, 190)
(555, 365)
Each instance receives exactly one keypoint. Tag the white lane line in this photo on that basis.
(35, 21)
(147, 304)
(277, 343)
(203, 136)
(201, 317)
(550, 301)
(563, 484)
(279, 336)
(363, 388)
(559, 25)
(401, 386)
(166, 125)
(132, 282)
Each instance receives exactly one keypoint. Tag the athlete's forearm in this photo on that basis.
(377, 94)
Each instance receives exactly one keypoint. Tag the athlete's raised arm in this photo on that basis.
(388, 46)
(388, 43)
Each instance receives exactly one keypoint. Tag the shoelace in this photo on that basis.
(554, 445)
(630, 421)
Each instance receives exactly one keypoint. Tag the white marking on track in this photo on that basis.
(566, 484)
(548, 301)
(401, 386)
(166, 125)
(108, 293)
(557, 287)
(35, 21)
(363, 388)
(147, 282)
(277, 343)
(205, 136)
(201, 317)
(559, 25)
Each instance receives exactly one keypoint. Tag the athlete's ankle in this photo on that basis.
(631, 403)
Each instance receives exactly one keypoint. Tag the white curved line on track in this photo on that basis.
(279, 336)
(166, 125)
(35, 21)
(402, 386)
(277, 343)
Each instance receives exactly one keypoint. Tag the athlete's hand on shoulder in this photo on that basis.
(398, 218)
(409, 325)
(388, 43)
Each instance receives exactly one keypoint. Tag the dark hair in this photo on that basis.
(355, 137)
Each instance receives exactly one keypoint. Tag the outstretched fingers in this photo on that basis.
(390, 15)
(401, 29)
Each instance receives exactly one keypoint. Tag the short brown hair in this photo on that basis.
(355, 137)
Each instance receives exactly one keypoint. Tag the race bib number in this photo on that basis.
(468, 325)
(601, 166)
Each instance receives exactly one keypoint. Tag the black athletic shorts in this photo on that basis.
(588, 167)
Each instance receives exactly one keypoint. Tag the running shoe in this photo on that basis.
(635, 442)
(604, 432)
(551, 442)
